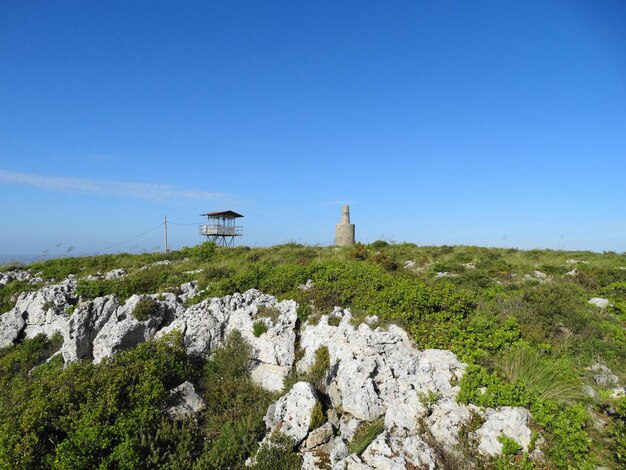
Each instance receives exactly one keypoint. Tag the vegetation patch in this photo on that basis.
(146, 308)
(365, 435)
(258, 328)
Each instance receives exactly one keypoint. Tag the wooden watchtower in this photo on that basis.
(221, 228)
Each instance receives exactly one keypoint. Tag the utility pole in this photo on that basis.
(165, 233)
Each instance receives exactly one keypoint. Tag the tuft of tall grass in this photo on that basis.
(546, 378)
(365, 435)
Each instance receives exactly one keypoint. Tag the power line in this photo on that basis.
(177, 223)
(131, 238)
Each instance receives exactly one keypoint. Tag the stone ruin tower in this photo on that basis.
(344, 233)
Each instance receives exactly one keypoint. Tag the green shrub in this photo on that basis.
(146, 308)
(317, 416)
(258, 328)
(303, 311)
(203, 252)
(510, 446)
(278, 454)
(617, 432)
(319, 368)
(365, 435)
(86, 415)
(378, 244)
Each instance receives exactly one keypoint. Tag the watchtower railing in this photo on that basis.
(221, 230)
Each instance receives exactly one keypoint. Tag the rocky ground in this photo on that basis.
(376, 376)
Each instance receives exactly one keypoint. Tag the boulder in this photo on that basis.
(291, 414)
(11, 326)
(512, 422)
(184, 402)
(599, 302)
(326, 456)
(115, 274)
(388, 452)
(602, 375)
(318, 436)
(123, 330)
(14, 275)
(84, 325)
(38, 312)
(446, 420)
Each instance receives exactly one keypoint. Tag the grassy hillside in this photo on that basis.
(521, 319)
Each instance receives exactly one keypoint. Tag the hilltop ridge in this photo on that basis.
(370, 356)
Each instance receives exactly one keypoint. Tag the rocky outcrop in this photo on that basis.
(184, 402)
(291, 414)
(14, 275)
(122, 330)
(379, 374)
(390, 452)
(508, 421)
(599, 302)
(38, 312)
(205, 325)
(374, 374)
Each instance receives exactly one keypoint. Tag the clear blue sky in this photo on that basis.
(486, 123)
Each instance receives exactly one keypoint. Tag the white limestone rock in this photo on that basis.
(202, 326)
(388, 452)
(115, 274)
(123, 330)
(269, 376)
(84, 325)
(188, 290)
(14, 275)
(379, 372)
(326, 456)
(599, 302)
(291, 414)
(185, 402)
(11, 325)
(510, 421)
(603, 375)
(318, 437)
(43, 311)
(446, 421)
(205, 325)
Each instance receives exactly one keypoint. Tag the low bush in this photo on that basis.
(146, 308)
(278, 454)
(258, 328)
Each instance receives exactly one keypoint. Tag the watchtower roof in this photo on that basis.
(223, 214)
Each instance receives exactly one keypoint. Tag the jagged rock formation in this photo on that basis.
(375, 374)
(185, 402)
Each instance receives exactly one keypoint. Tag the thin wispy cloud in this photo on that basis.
(152, 192)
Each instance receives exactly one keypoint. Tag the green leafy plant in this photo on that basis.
(509, 446)
(258, 328)
(304, 311)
